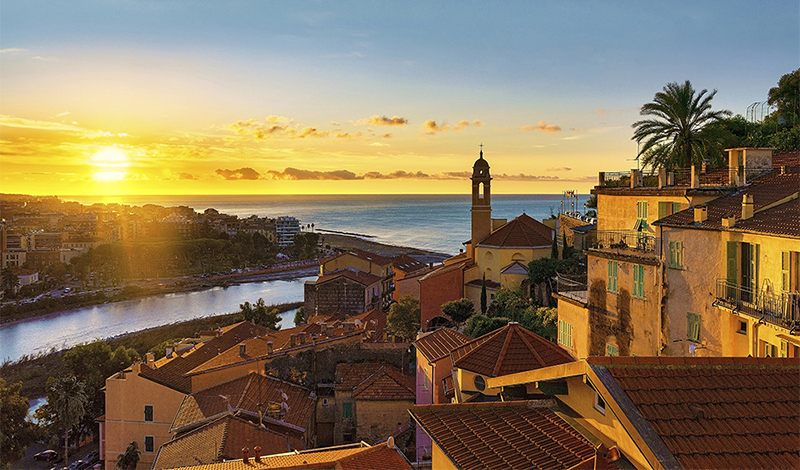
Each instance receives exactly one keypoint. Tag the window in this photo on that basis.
(347, 410)
(599, 403)
(668, 208)
(742, 327)
(770, 350)
(693, 327)
(638, 281)
(612, 350)
(565, 334)
(790, 266)
(148, 412)
(784, 348)
(676, 255)
(479, 383)
(149, 444)
(425, 383)
(641, 215)
(613, 268)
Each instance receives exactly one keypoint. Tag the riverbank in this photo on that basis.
(33, 372)
(135, 289)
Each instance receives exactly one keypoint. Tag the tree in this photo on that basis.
(566, 250)
(509, 303)
(554, 249)
(479, 325)
(591, 203)
(304, 245)
(672, 138)
(483, 295)
(10, 282)
(542, 321)
(786, 97)
(300, 316)
(459, 310)
(130, 459)
(69, 403)
(404, 318)
(260, 314)
(16, 433)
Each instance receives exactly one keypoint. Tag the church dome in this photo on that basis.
(481, 163)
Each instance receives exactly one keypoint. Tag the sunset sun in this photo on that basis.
(110, 164)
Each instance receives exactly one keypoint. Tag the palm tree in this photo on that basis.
(69, 401)
(673, 137)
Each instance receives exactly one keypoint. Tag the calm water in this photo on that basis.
(434, 222)
(66, 329)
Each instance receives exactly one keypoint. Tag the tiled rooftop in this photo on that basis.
(365, 255)
(438, 344)
(248, 394)
(504, 435)
(221, 439)
(172, 373)
(714, 412)
(348, 457)
(387, 383)
(766, 191)
(355, 275)
(522, 232)
(406, 263)
(348, 375)
(508, 350)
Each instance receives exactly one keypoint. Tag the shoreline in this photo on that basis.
(178, 285)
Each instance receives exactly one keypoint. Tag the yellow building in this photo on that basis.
(366, 262)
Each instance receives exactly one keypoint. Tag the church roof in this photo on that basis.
(515, 268)
(480, 162)
(522, 232)
(508, 350)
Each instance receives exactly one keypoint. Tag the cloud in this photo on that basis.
(460, 125)
(276, 119)
(561, 168)
(477, 123)
(382, 121)
(337, 124)
(240, 174)
(11, 121)
(378, 144)
(62, 114)
(12, 51)
(541, 127)
(296, 174)
(188, 176)
(600, 111)
(430, 127)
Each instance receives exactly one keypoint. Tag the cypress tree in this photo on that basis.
(483, 296)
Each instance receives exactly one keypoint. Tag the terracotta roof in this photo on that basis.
(360, 277)
(507, 435)
(508, 350)
(172, 373)
(249, 394)
(522, 232)
(387, 383)
(365, 255)
(438, 344)
(348, 375)
(349, 457)
(713, 412)
(790, 159)
(783, 219)
(766, 191)
(374, 320)
(222, 439)
(442, 269)
(406, 263)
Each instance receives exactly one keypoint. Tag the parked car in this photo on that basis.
(46, 455)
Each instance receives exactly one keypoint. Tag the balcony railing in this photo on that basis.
(574, 287)
(623, 240)
(781, 309)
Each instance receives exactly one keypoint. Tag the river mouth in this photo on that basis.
(61, 330)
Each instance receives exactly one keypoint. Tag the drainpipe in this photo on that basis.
(754, 341)
(661, 289)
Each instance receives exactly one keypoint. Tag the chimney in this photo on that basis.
(169, 351)
(747, 206)
(269, 347)
(695, 177)
(601, 178)
(302, 337)
(245, 455)
(729, 222)
(151, 360)
(784, 169)
(293, 340)
(700, 214)
(243, 350)
(637, 180)
(704, 167)
(257, 454)
(662, 177)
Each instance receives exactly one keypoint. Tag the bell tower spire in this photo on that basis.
(481, 202)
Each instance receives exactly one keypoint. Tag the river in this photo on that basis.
(65, 329)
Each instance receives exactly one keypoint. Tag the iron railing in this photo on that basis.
(781, 309)
(575, 287)
(623, 240)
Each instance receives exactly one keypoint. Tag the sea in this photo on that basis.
(434, 222)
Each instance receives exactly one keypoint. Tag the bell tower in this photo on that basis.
(481, 202)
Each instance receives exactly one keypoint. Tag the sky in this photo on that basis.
(264, 97)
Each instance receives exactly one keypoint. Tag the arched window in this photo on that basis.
(488, 255)
(518, 257)
(481, 190)
(488, 273)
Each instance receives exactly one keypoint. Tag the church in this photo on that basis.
(498, 251)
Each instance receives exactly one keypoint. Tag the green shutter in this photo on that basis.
(638, 281)
(612, 276)
(693, 327)
(347, 410)
(676, 207)
(663, 209)
(786, 280)
(733, 248)
(755, 250)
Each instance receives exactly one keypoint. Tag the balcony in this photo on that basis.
(573, 287)
(622, 240)
(781, 309)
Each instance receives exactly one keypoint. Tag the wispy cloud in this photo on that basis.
(601, 111)
(12, 51)
(187, 176)
(561, 168)
(11, 121)
(382, 121)
(541, 127)
(297, 174)
(430, 127)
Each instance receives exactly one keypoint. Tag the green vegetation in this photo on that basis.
(542, 271)
(514, 305)
(9, 282)
(16, 433)
(404, 317)
(260, 314)
(459, 310)
(304, 245)
(300, 316)
(67, 398)
(672, 137)
(130, 459)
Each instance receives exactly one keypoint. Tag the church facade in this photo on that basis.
(499, 252)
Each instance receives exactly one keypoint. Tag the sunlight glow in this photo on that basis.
(111, 163)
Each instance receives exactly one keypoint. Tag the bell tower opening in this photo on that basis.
(481, 202)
